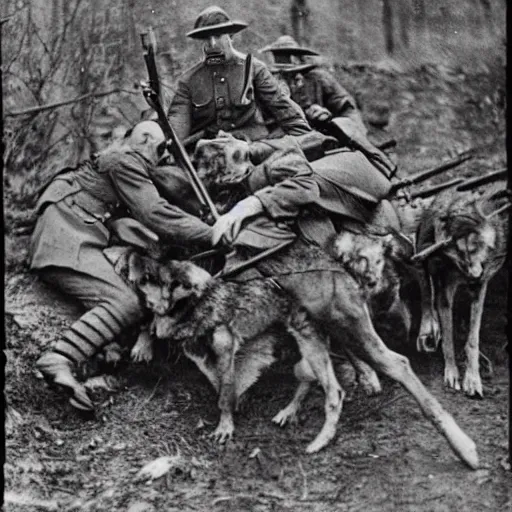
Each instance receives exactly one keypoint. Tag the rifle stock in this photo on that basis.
(152, 94)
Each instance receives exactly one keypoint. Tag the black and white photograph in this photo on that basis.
(256, 256)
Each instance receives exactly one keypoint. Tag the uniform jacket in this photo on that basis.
(73, 209)
(286, 183)
(232, 98)
(319, 87)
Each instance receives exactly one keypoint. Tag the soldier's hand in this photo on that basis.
(317, 113)
(228, 226)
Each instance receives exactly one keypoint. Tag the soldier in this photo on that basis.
(73, 228)
(316, 91)
(229, 90)
(329, 108)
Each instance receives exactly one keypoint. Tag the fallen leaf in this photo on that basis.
(254, 453)
(159, 467)
(106, 382)
(141, 506)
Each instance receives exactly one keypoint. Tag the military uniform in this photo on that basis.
(310, 84)
(318, 86)
(72, 231)
(234, 97)
(344, 185)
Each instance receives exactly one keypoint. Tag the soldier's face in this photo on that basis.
(218, 49)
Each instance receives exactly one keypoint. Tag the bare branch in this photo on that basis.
(50, 106)
(18, 52)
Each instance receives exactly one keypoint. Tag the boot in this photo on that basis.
(58, 370)
(89, 334)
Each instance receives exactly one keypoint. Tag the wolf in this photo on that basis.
(461, 241)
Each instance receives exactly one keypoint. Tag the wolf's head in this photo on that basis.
(223, 161)
(182, 284)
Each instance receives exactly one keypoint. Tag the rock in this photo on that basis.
(140, 506)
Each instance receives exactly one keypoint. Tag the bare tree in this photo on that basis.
(299, 15)
(387, 26)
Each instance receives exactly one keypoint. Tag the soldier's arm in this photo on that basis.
(336, 98)
(285, 182)
(136, 190)
(180, 113)
(286, 199)
(271, 98)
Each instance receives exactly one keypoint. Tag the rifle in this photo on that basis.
(152, 94)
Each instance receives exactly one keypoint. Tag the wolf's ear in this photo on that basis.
(139, 267)
(197, 276)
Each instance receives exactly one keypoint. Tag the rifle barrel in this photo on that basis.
(152, 95)
(482, 180)
(424, 175)
(436, 188)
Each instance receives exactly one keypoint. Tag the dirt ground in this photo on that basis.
(385, 457)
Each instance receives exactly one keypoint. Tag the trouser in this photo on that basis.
(112, 306)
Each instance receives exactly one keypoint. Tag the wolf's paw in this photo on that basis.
(451, 377)
(286, 415)
(472, 384)
(224, 431)
(370, 383)
(142, 351)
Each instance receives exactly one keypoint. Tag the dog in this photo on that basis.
(227, 329)
(461, 240)
(230, 330)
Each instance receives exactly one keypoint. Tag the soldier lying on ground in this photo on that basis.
(74, 227)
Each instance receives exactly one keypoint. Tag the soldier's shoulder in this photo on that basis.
(321, 73)
(117, 158)
(259, 65)
(193, 70)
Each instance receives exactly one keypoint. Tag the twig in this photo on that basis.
(147, 400)
(305, 491)
(49, 106)
(382, 405)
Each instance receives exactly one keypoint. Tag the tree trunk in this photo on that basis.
(299, 14)
(387, 26)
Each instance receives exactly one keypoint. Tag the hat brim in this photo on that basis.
(289, 50)
(287, 68)
(230, 27)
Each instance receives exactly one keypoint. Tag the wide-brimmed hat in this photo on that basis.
(286, 45)
(291, 67)
(214, 21)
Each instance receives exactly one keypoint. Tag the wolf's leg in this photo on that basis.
(366, 375)
(313, 349)
(372, 348)
(472, 383)
(445, 293)
(305, 376)
(225, 346)
(430, 332)
(143, 348)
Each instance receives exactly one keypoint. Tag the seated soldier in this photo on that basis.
(72, 230)
(317, 92)
(329, 108)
